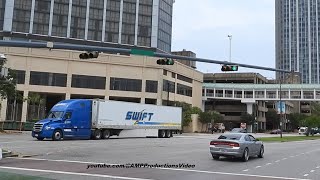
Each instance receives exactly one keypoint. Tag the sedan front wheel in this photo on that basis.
(261, 153)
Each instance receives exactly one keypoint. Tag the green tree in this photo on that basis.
(247, 118)
(312, 121)
(217, 117)
(187, 110)
(297, 120)
(7, 83)
(205, 118)
(273, 118)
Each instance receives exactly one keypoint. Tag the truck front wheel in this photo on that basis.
(57, 135)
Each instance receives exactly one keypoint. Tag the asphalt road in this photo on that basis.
(71, 159)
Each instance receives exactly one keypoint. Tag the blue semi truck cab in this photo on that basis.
(66, 119)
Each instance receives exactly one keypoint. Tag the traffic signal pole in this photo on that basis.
(134, 51)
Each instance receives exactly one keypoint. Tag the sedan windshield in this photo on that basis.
(55, 114)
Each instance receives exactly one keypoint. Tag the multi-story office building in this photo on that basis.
(56, 75)
(297, 38)
(187, 54)
(104, 22)
(232, 109)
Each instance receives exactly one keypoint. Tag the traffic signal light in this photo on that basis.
(229, 68)
(166, 61)
(89, 55)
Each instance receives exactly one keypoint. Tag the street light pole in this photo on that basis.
(230, 38)
(280, 105)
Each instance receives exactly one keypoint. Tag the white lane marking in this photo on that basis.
(318, 167)
(246, 170)
(72, 173)
(277, 160)
(232, 174)
(258, 166)
(185, 170)
(80, 162)
(312, 171)
(268, 164)
(291, 156)
(284, 158)
(306, 175)
(302, 153)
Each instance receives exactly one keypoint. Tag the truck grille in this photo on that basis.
(37, 127)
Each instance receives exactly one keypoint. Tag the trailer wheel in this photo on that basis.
(106, 134)
(161, 133)
(171, 133)
(97, 134)
(167, 134)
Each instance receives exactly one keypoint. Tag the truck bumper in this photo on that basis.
(42, 134)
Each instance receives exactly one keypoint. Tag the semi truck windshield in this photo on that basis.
(55, 114)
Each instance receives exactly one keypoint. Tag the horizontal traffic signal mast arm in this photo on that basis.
(218, 62)
(130, 51)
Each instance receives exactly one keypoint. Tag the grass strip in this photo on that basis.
(288, 138)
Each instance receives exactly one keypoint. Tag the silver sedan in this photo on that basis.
(239, 145)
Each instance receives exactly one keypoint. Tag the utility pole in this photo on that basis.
(168, 85)
(280, 105)
(230, 38)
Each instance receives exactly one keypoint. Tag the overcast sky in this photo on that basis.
(202, 26)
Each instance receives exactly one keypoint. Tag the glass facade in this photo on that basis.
(112, 21)
(21, 16)
(136, 20)
(165, 25)
(128, 22)
(2, 6)
(78, 18)
(145, 23)
(41, 17)
(95, 20)
(297, 38)
(60, 18)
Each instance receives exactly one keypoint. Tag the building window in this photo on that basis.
(184, 90)
(165, 72)
(48, 79)
(20, 76)
(183, 78)
(41, 17)
(78, 18)
(2, 8)
(21, 16)
(90, 82)
(150, 101)
(145, 23)
(60, 18)
(173, 75)
(152, 86)
(122, 84)
(112, 21)
(168, 85)
(95, 20)
(128, 21)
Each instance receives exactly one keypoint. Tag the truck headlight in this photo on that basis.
(47, 127)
